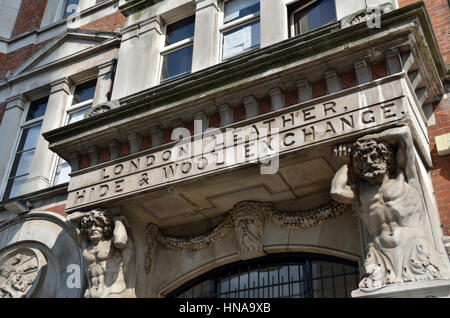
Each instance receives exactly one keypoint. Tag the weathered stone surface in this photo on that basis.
(297, 129)
(108, 251)
(381, 182)
(39, 258)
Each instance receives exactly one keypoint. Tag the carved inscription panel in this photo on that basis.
(219, 151)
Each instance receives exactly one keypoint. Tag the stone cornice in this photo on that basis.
(411, 19)
(132, 6)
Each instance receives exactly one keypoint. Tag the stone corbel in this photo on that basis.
(114, 149)
(94, 155)
(276, 98)
(362, 71)
(156, 135)
(226, 115)
(332, 80)
(75, 161)
(394, 61)
(304, 90)
(200, 122)
(135, 142)
(251, 107)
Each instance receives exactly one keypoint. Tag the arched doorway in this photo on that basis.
(292, 275)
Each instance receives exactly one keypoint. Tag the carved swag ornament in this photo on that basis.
(247, 218)
(380, 180)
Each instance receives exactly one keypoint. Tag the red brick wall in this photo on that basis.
(60, 209)
(439, 13)
(14, 59)
(29, 17)
(109, 23)
(441, 164)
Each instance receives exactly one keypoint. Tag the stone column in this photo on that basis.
(206, 35)
(9, 130)
(104, 82)
(42, 167)
(273, 21)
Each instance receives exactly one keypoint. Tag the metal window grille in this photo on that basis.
(282, 276)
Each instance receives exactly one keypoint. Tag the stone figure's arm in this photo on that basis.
(73, 220)
(340, 190)
(120, 235)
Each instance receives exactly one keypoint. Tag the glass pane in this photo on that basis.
(37, 108)
(241, 39)
(290, 279)
(14, 185)
(180, 30)
(177, 63)
(84, 92)
(29, 137)
(77, 116)
(22, 163)
(314, 16)
(236, 9)
(62, 173)
(71, 7)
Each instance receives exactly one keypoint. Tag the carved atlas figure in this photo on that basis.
(108, 252)
(381, 182)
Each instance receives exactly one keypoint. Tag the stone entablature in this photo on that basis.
(282, 132)
(179, 99)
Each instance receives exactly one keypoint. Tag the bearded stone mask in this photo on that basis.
(372, 160)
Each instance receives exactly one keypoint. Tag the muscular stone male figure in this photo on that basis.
(381, 183)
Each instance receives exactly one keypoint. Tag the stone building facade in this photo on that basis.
(224, 148)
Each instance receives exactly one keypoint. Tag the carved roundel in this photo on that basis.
(20, 272)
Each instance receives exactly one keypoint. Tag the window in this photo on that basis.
(65, 9)
(309, 15)
(241, 27)
(30, 132)
(177, 51)
(277, 276)
(82, 100)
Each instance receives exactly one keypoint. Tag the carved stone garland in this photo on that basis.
(291, 219)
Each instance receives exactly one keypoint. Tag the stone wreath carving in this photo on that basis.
(247, 218)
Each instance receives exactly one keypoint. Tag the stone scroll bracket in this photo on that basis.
(247, 219)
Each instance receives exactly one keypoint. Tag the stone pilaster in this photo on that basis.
(9, 130)
(104, 82)
(206, 35)
(43, 162)
(273, 19)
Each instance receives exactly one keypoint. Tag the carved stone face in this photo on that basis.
(372, 160)
(249, 232)
(97, 225)
(95, 233)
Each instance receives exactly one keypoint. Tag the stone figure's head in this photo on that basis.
(249, 226)
(372, 160)
(98, 225)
